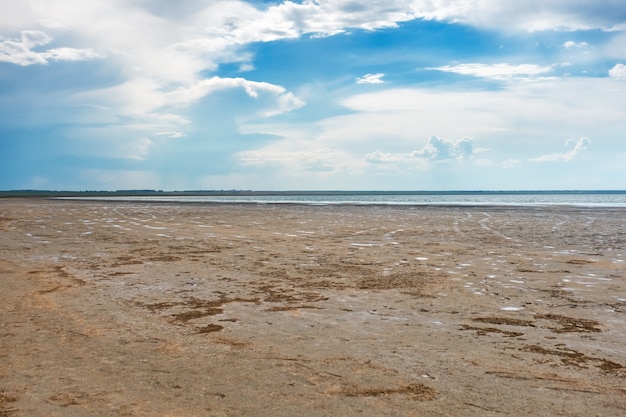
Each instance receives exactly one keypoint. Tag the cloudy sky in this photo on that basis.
(313, 94)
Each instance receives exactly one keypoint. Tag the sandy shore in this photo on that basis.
(135, 309)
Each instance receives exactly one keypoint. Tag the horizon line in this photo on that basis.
(230, 192)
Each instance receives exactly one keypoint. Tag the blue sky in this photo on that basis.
(310, 95)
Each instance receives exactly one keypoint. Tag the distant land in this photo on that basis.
(130, 193)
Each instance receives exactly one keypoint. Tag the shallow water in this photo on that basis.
(582, 199)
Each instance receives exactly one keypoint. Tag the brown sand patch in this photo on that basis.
(209, 328)
(65, 399)
(571, 324)
(418, 392)
(579, 261)
(505, 320)
(575, 358)
(6, 408)
(482, 331)
(290, 308)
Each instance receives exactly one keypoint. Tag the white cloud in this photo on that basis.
(443, 149)
(137, 149)
(618, 72)
(70, 54)
(383, 157)
(574, 104)
(241, 22)
(463, 148)
(301, 158)
(51, 24)
(149, 107)
(371, 79)
(578, 146)
(172, 135)
(209, 85)
(436, 149)
(20, 51)
(562, 15)
(496, 71)
(328, 17)
(246, 66)
(572, 44)
(511, 163)
(512, 122)
(284, 101)
(615, 47)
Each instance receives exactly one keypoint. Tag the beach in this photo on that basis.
(169, 309)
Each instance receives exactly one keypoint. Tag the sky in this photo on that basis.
(313, 95)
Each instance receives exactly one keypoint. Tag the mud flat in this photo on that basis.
(145, 309)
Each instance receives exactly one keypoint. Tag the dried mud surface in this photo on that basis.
(137, 309)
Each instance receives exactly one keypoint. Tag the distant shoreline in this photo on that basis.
(261, 193)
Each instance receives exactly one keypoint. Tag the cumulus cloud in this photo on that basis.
(436, 149)
(577, 147)
(463, 148)
(495, 71)
(371, 79)
(442, 149)
(20, 51)
(618, 72)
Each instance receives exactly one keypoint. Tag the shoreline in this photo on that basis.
(454, 205)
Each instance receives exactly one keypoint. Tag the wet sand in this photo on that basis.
(144, 309)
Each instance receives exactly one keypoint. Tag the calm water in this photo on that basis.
(584, 199)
